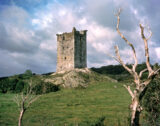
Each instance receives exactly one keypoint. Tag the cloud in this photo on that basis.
(158, 52)
(28, 31)
(8, 65)
(14, 35)
(97, 35)
(25, 47)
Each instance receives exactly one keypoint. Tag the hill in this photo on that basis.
(100, 102)
(76, 78)
(97, 99)
(118, 73)
(45, 83)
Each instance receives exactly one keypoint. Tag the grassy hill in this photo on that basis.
(104, 102)
(85, 107)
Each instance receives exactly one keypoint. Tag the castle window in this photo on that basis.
(63, 38)
(65, 58)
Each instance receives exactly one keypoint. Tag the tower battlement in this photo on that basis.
(71, 50)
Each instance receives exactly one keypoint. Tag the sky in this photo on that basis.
(28, 31)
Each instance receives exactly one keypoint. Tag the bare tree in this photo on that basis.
(24, 101)
(140, 85)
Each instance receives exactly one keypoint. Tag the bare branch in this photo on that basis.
(120, 60)
(150, 35)
(146, 50)
(150, 78)
(118, 12)
(141, 85)
(150, 32)
(113, 57)
(157, 71)
(129, 90)
(24, 101)
(17, 100)
(147, 81)
(129, 43)
(32, 100)
(140, 74)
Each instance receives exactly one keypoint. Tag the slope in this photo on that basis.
(99, 102)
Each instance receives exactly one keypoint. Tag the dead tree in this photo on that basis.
(24, 101)
(140, 85)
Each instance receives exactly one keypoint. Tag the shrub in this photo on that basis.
(20, 86)
(99, 122)
(12, 84)
(17, 85)
(3, 86)
(49, 87)
(151, 103)
(26, 75)
(7, 84)
(45, 87)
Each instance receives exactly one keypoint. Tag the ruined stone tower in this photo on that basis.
(71, 50)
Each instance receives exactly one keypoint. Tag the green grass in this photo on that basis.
(71, 107)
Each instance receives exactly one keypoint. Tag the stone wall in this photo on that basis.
(71, 50)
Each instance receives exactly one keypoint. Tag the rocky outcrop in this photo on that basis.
(77, 78)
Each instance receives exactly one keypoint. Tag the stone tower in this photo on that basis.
(71, 50)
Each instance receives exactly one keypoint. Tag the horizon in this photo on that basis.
(76, 68)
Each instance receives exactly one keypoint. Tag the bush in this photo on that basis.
(49, 87)
(45, 87)
(12, 84)
(20, 86)
(17, 85)
(26, 75)
(151, 103)
(3, 86)
(7, 85)
(99, 122)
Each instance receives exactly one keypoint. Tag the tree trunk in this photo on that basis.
(135, 112)
(135, 120)
(20, 117)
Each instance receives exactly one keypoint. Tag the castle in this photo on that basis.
(71, 50)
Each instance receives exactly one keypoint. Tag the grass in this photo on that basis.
(70, 107)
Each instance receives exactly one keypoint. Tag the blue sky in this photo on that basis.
(28, 31)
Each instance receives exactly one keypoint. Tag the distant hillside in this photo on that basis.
(18, 83)
(50, 82)
(118, 72)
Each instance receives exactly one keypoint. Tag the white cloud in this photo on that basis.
(36, 22)
(100, 38)
(158, 52)
(48, 46)
(83, 21)
(43, 22)
(30, 38)
(62, 13)
(121, 3)
(101, 32)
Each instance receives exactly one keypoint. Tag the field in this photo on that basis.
(100, 102)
